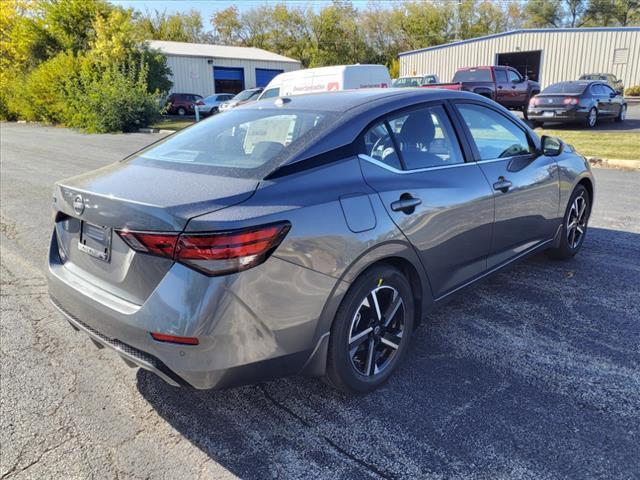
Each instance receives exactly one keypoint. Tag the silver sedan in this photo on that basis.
(307, 235)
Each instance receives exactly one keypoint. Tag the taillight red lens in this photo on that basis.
(162, 244)
(570, 101)
(215, 253)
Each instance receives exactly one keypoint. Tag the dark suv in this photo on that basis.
(182, 103)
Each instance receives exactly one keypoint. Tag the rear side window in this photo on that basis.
(494, 135)
(425, 138)
(501, 76)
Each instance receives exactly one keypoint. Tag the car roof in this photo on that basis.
(345, 100)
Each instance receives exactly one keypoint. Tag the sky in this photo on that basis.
(208, 7)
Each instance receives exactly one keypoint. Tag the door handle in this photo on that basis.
(406, 204)
(502, 185)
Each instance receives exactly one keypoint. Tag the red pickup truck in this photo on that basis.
(502, 84)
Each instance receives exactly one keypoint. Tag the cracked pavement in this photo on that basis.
(534, 373)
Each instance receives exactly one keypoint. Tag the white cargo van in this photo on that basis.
(327, 79)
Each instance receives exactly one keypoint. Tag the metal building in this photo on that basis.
(204, 69)
(545, 55)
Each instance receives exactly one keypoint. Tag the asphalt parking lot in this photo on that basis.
(534, 373)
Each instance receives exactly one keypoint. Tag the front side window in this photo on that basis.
(514, 77)
(494, 135)
(425, 138)
(270, 93)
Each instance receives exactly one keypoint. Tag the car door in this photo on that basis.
(504, 94)
(518, 87)
(602, 100)
(613, 104)
(525, 183)
(442, 204)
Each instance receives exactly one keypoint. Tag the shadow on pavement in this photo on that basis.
(530, 374)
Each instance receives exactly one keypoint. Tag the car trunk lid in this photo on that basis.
(124, 196)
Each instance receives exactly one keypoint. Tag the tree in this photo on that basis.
(177, 27)
(544, 13)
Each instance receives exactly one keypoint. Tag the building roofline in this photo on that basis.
(208, 50)
(290, 60)
(522, 30)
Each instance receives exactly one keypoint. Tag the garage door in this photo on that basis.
(228, 80)
(265, 75)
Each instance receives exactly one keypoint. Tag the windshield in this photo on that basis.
(571, 88)
(593, 76)
(407, 82)
(474, 75)
(247, 94)
(244, 142)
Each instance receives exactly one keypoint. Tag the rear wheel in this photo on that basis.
(592, 118)
(623, 114)
(574, 226)
(182, 111)
(371, 330)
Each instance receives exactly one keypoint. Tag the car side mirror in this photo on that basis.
(551, 146)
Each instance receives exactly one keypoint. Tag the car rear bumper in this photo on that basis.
(559, 115)
(251, 326)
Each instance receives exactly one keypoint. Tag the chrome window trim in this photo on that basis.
(372, 160)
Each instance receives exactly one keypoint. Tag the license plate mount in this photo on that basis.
(95, 240)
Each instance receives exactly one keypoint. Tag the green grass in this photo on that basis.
(172, 124)
(600, 144)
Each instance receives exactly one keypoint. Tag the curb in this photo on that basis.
(632, 100)
(148, 130)
(614, 163)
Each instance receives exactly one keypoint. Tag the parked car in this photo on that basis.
(182, 103)
(581, 101)
(307, 236)
(327, 79)
(209, 105)
(415, 81)
(245, 96)
(616, 84)
(502, 84)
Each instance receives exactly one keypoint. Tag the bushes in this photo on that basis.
(79, 63)
(113, 99)
(79, 92)
(632, 91)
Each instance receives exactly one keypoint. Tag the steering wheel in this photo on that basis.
(514, 149)
(383, 143)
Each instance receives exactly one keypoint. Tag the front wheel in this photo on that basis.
(371, 330)
(574, 226)
(182, 111)
(623, 114)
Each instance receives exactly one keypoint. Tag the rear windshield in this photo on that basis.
(593, 76)
(246, 143)
(475, 75)
(570, 88)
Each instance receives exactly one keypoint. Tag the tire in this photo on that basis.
(358, 330)
(213, 111)
(182, 111)
(592, 118)
(622, 115)
(525, 113)
(569, 244)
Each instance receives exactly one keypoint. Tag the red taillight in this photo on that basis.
(163, 337)
(215, 253)
(570, 101)
(199, 102)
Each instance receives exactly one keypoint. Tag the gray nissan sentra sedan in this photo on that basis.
(308, 234)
